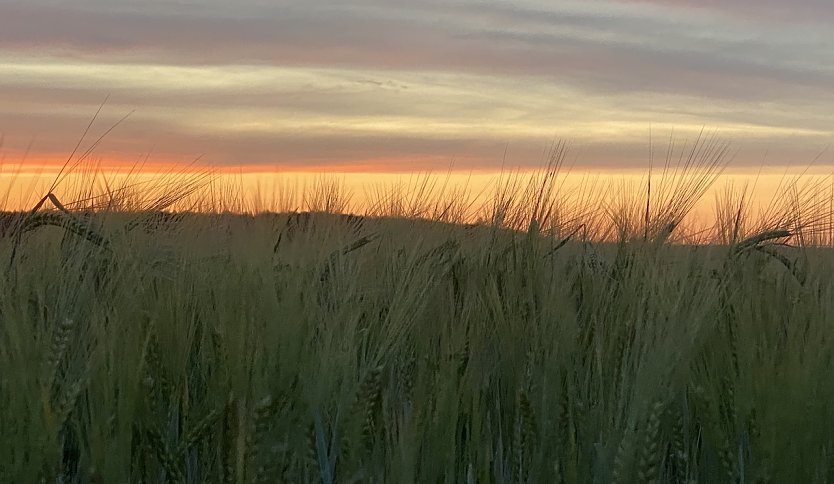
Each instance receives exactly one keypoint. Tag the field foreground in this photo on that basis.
(317, 348)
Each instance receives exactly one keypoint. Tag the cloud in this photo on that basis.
(52, 137)
(776, 11)
(350, 83)
(585, 44)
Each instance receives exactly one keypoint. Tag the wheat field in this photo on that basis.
(541, 340)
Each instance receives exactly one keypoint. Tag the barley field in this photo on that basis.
(538, 340)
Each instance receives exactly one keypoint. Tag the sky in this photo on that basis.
(410, 85)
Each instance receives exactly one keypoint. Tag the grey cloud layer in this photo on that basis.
(779, 11)
(635, 48)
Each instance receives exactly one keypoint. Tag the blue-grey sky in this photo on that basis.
(402, 85)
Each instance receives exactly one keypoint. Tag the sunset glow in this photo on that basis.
(368, 88)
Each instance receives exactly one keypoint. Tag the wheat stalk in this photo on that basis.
(57, 350)
(650, 455)
(524, 436)
(757, 240)
(263, 412)
(678, 448)
(367, 400)
(158, 445)
(623, 459)
(199, 431)
(67, 401)
(231, 428)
